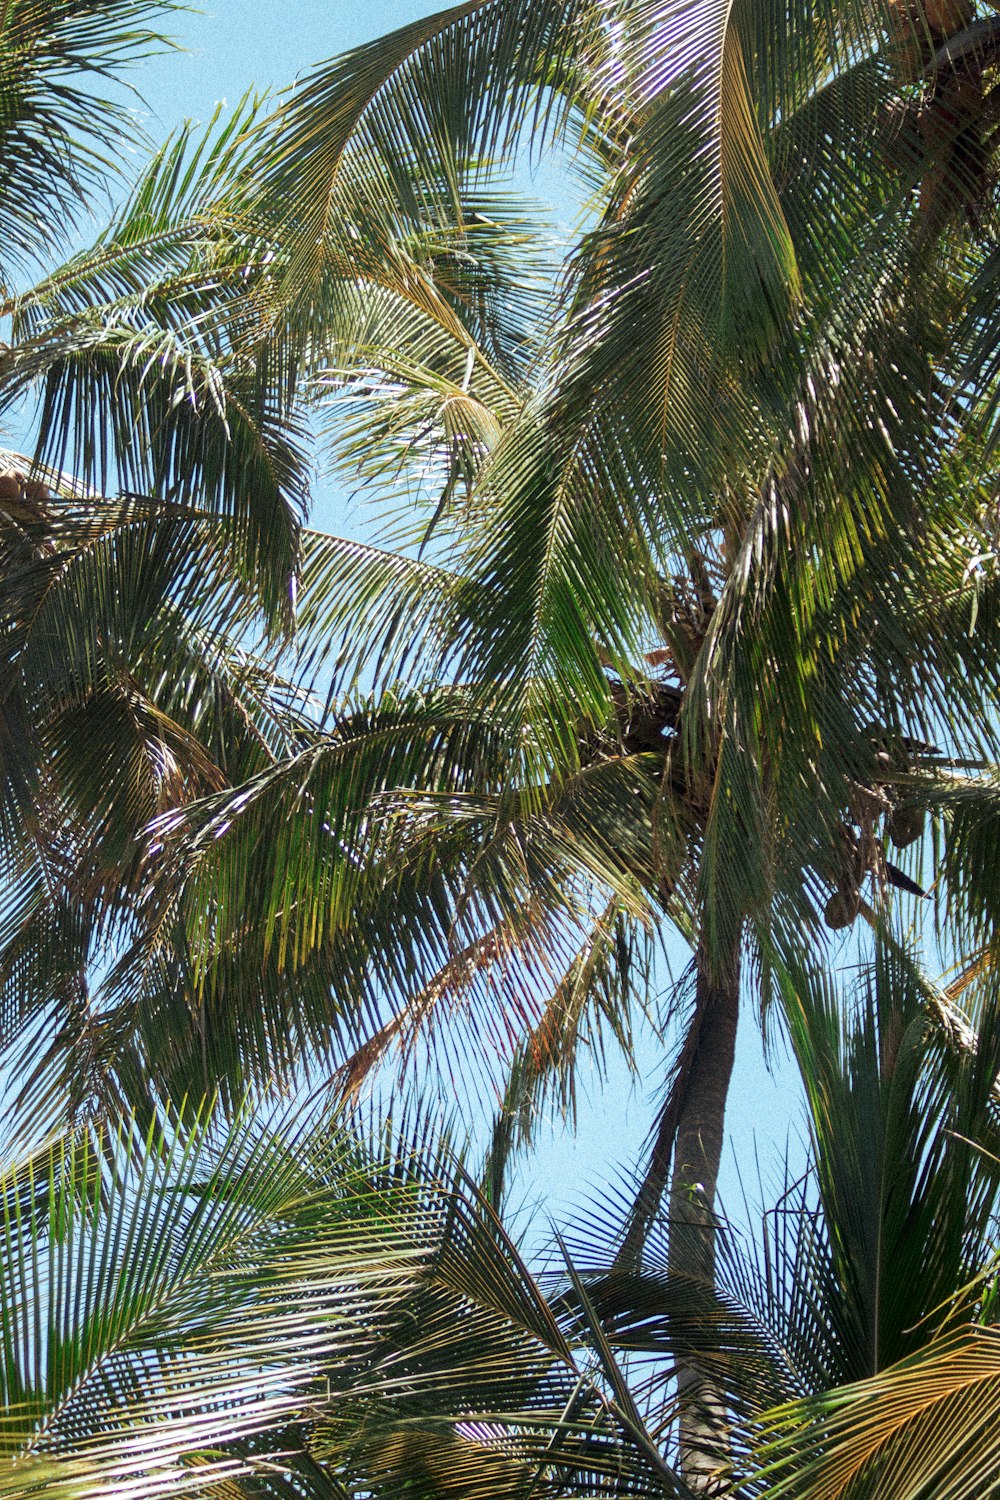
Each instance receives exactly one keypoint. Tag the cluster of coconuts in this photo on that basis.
(861, 852)
(22, 498)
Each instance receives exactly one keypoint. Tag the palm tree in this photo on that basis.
(911, 1345)
(408, 293)
(869, 1278)
(698, 608)
(176, 1304)
(288, 1306)
(151, 540)
(687, 609)
(688, 605)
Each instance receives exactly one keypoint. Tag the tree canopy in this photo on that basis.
(682, 619)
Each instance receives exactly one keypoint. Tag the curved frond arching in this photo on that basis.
(924, 1426)
(64, 111)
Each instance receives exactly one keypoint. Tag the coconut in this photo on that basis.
(841, 909)
(905, 825)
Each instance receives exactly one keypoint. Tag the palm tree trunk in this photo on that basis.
(698, 1140)
(687, 1151)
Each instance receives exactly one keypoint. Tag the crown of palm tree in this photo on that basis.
(688, 602)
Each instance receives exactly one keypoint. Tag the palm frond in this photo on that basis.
(64, 112)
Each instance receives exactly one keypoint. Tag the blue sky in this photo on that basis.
(233, 44)
(230, 46)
